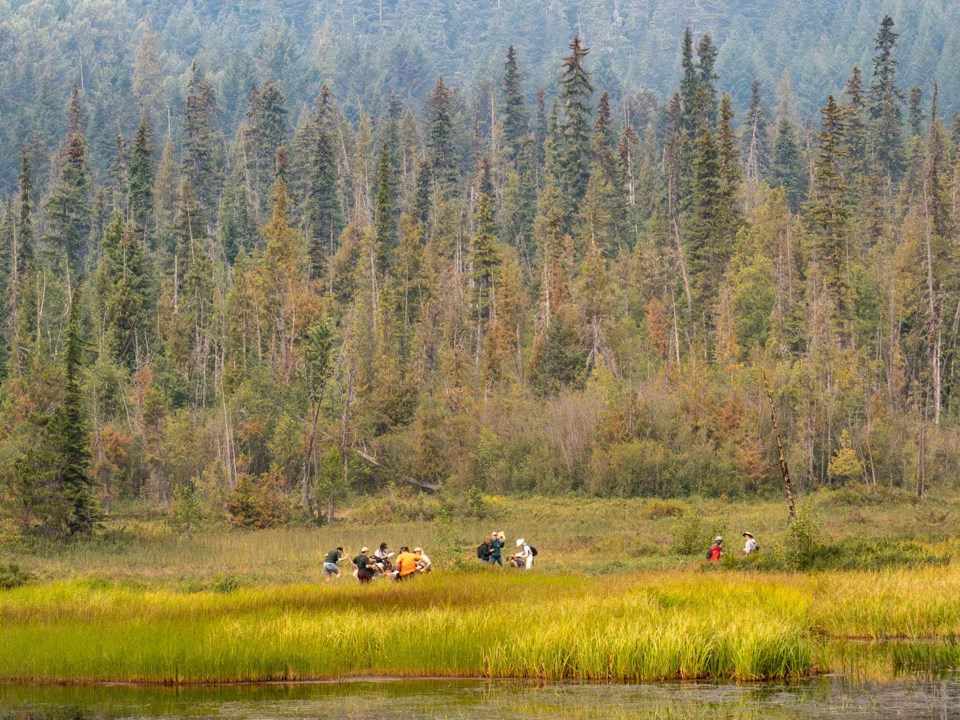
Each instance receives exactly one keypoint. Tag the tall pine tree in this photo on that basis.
(516, 119)
(68, 207)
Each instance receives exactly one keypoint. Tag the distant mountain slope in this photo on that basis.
(367, 48)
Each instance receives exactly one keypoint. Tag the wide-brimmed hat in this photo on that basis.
(748, 534)
(520, 542)
(718, 540)
(418, 549)
(364, 550)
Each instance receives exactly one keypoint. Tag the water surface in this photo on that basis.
(475, 700)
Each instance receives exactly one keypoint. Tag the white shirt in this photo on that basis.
(526, 553)
(750, 546)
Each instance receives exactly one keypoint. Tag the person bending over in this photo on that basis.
(331, 569)
(364, 566)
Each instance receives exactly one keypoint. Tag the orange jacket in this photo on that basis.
(407, 563)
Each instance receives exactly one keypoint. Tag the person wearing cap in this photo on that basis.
(522, 558)
(425, 563)
(750, 545)
(716, 552)
(364, 566)
(381, 556)
(496, 546)
(406, 563)
(330, 567)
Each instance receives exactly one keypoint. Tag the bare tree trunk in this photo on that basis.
(784, 469)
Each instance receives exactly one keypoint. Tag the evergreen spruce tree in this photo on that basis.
(384, 218)
(236, 223)
(202, 152)
(756, 139)
(22, 314)
(520, 203)
(828, 213)
(540, 128)
(915, 111)
(787, 170)
(69, 434)
(423, 199)
(730, 175)
(603, 209)
(123, 289)
(120, 176)
(855, 135)
(886, 105)
(322, 206)
(440, 145)
(688, 88)
(575, 92)
(705, 99)
(142, 180)
(707, 227)
(484, 257)
(266, 131)
(516, 119)
(68, 206)
(916, 145)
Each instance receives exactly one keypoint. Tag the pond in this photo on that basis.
(823, 697)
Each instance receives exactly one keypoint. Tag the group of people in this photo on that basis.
(490, 552)
(381, 563)
(715, 553)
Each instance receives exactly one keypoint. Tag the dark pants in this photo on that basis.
(364, 576)
(498, 559)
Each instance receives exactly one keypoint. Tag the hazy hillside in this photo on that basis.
(365, 49)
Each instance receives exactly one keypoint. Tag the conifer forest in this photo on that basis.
(261, 259)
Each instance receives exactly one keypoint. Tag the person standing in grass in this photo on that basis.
(364, 566)
(331, 569)
(716, 552)
(496, 548)
(407, 563)
(750, 545)
(484, 550)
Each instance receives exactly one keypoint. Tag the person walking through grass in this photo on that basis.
(364, 566)
(331, 569)
(750, 544)
(716, 551)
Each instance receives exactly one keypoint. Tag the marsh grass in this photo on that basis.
(611, 599)
(624, 628)
(496, 626)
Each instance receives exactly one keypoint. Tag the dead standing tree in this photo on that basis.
(784, 468)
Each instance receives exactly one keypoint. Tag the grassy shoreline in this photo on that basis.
(637, 628)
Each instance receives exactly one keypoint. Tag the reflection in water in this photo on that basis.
(468, 700)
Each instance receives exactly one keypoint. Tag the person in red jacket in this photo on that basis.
(716, 552)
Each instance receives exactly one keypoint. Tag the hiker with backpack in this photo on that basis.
(523, 558)
(484, 549)
(750, 546)
(716, 551)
